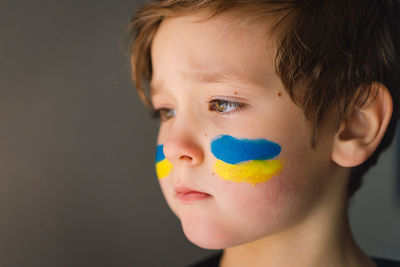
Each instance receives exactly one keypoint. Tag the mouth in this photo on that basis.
(187, 195)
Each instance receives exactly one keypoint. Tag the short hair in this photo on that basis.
(329, 54)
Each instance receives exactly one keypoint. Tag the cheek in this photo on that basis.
(168, 192)
(163, 165)
(244, 160)
(253, 172)
(259, 205)
(163, 168)
(266, 207)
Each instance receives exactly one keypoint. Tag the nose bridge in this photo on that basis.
(183, 143)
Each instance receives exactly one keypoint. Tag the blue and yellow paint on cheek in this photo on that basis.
(245, 160)
(163, 166)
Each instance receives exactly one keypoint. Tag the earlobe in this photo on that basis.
(362, 129)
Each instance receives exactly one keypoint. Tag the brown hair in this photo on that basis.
(329, 53)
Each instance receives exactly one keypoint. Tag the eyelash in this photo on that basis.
(238, 106)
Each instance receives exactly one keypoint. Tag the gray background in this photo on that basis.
(77, 183)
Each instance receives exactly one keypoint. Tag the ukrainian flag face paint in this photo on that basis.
(163, 166)
(245, 160)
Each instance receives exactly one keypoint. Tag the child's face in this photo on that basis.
(215, 79)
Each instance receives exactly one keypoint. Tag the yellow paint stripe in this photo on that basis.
(163, 168)
(253, 172)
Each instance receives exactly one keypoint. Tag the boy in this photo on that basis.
(271, 111)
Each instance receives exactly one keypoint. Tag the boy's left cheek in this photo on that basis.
(253, 172)
(245, 160)
(163, 165)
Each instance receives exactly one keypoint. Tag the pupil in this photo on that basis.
(220, 106)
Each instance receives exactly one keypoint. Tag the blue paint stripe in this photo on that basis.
(233, 150)
(160, 153)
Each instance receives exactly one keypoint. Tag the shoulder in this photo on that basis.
(380, 262)
(211, 261)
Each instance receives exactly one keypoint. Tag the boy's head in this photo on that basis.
(263, 106)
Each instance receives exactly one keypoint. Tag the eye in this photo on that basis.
(163, 113)
(225, 106)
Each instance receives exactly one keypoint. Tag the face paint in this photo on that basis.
(245, 160)
(163, 166)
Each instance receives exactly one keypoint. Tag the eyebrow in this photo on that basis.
(206, 77)
(217, 77)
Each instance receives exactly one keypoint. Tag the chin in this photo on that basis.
(205, 239)
(208, 236)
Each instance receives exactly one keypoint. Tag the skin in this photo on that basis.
(299, 217)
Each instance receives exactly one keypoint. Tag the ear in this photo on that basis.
(362, 129)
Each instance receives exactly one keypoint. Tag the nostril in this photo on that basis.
(186, 157)
(183, 150)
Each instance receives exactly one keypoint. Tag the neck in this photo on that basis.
(322, 239)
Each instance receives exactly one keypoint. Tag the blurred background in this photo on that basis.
(77, 184)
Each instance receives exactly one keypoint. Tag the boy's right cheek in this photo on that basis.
(163, 168)
(163, 165)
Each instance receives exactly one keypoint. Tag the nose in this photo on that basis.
(183, 149)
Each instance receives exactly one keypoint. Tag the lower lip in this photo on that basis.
(192, 196)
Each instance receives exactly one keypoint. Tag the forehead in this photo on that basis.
(211, 50)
